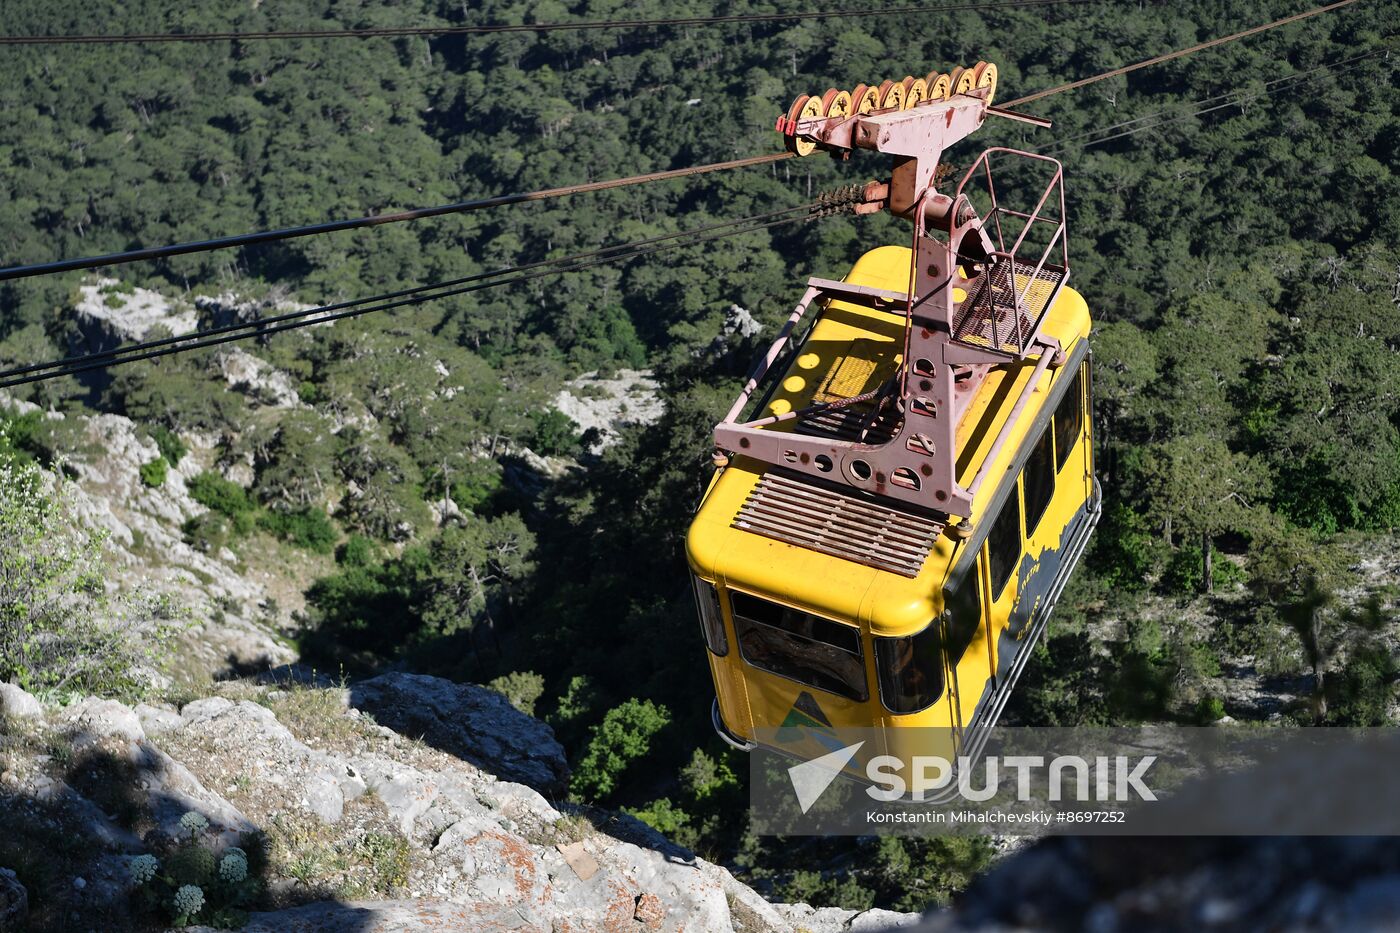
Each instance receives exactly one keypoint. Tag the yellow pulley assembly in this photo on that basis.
(804, 108)
(940, 86)
(963, 80)
(985, 75)
(888, 96)
(915, 91)
(836, 103)
(865, 99)
(891, 96)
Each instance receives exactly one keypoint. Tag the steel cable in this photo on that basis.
(403, 298)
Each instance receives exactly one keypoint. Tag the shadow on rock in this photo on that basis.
(477, 725)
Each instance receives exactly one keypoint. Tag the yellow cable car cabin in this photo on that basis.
(876, 618)
(893, 519)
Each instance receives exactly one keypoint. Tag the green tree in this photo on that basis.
(1298, 575)
(153, 472)
(475, 566)
(1196, 486)
(624, 736)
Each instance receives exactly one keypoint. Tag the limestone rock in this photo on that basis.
(394, 916)
(109, 313)
(147, 550)
(105, 718)
(17, 704)
(739, 321)
(155, 720)
(632, 396)
(473, 723)
(840, 920)
(258, 379)
(482, 853)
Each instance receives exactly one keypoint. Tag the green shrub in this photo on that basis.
(155, 472)
(59, 630)
(575, 708)
(208, 532)
(308, 528)
(1208, 710)
(1125, 552)
(171, 447)
(522, 688)
(554, 434)
(810, 887)
(669, 820)
(624, 735)
(357, 551)
(478, 482)
(309, 392)
(1362, 693)
(19, 437)
(223, 496)
(1184, 571)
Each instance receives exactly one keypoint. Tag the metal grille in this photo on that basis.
(993, 300)
(838, 524)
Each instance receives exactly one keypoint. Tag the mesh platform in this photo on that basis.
(988, 316)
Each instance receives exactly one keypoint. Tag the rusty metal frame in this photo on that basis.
(954, 250)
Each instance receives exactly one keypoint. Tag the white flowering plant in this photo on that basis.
(192, 883)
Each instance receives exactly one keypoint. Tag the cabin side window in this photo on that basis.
(800, 646)
(1004, 544)
(1039, 481)
(711, 620)
(911, 670)
(1069, 419)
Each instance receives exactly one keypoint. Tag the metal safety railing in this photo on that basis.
(1006, 266)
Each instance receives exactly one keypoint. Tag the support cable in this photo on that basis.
(406, 297)
(334, 226)
(1217, 102)
(1179, 53)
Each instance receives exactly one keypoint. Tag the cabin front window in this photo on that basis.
(800, 646)
(910, 670)
(711, 620)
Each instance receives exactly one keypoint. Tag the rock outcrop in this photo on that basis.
(606, 405)
(386, 806)
(257, 379)
(147, 549)
(109, 313)
(474, 724)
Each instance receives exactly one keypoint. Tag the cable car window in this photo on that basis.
(911, 670)
(1039, 482)
(711, 621)
(799, 646)
(962, 617)
(1069, 420)
(1004, 544)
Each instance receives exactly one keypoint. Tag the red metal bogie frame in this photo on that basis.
(943, 365)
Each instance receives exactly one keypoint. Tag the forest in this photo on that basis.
(1234, 224)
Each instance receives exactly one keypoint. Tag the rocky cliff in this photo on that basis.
(400, 803)
(236, 621)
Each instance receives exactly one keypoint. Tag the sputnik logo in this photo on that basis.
(811, 778)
